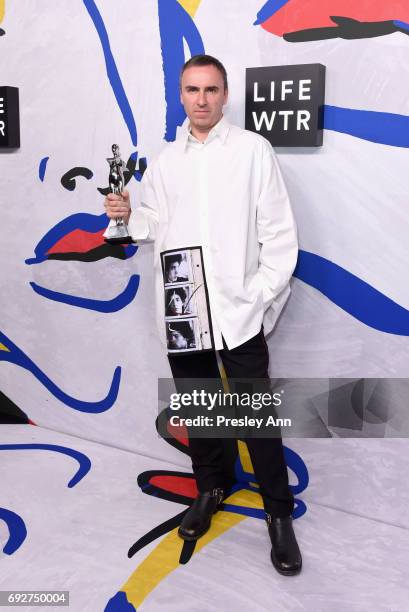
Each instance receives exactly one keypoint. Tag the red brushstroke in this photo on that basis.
(305, 14)
(179, 433)
(78, 241)
(176, 484)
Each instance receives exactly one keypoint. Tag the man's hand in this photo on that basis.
(118, 206)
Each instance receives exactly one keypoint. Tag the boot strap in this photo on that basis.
(219, 494)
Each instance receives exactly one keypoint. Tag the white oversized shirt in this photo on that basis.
(228, 196)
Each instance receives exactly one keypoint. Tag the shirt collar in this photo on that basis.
(220, 130)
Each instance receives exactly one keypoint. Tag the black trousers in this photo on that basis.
(249, 360)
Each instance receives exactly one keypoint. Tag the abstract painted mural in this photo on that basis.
(79, 351)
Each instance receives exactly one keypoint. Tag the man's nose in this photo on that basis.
(202, 98)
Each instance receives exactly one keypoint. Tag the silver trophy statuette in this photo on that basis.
(117, 233)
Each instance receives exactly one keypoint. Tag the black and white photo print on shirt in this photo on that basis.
(179, 301)
(187, 312)
(176, 268)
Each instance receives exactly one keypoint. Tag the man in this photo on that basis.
(172, 269)
(175, 301)
(220, 187)
(180, 335)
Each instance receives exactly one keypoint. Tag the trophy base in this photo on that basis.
(125, 240)
(118, 234)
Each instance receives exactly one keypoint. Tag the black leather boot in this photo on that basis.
(285, 554)
(197, 520)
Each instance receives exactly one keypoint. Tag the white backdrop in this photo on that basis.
(93, 73)
(78, 347)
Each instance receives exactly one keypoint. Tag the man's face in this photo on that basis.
(177, 341)
(203, 96)
(176, 304)
(173, 271)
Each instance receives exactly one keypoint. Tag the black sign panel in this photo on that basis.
(285, 104)
(9, 117)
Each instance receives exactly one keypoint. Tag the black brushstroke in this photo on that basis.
(10, 412)
(2, 32)
(68, 179)
(187, 551)
(346, 28)
(100, 252)
(141, 167)
(156, 532)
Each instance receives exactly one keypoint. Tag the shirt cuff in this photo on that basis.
(138, 226)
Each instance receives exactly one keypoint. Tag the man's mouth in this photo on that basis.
(78, 238)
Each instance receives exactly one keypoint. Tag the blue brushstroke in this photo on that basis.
(83, 461)
(113, 305)
(382, 128)
(268, 9)
(130, 250)
(401, 24)
(119, 603)
(42, 168)
(17, 530)
(112, 70)
(78, 221)
(138, 174)
(16, 356)
(175, 24)
(352, 294)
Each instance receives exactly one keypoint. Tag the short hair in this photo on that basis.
(171, 259)
(204, 60)
(182, 327)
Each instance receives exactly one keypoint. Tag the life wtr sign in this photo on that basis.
(285, 104)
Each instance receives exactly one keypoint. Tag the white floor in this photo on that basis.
(78, 538)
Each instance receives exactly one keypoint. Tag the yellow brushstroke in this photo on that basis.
(245, 457)
(164, 558)
(2, 9)
(190, 6)
(249, 499)
(2, 346)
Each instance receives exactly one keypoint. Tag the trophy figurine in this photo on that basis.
(117, 233)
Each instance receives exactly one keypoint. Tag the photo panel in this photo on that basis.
(176, 267)
(180, 301)
(182, 336)
(187, 312)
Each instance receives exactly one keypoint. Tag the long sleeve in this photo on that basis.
(276, 230)
(144, 218)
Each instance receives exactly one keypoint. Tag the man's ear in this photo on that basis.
(226, 96)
